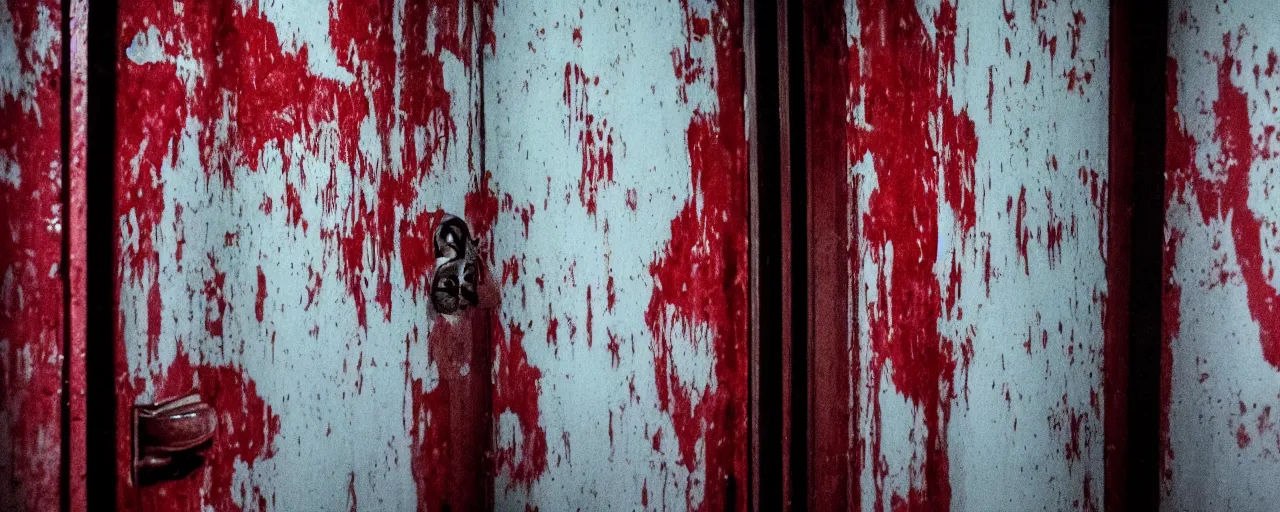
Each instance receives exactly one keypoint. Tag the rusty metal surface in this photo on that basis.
(978, 152)
(616, 137)
(1219, 439)
(31, 280)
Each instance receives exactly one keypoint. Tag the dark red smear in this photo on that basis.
(1008, 14)
(553, 327)
(247, 428)
(262, 294)
(1242, 437)
(430, 459)
(417, 248)
(1022, 232)
(590, 315)
(577, 36)
(614, 349)
(902, 77)
(612, 297)
(30, 368)
(351, 493)
(481, 204)
(517, 386)
(182, 237)
(1075, 27)
(632, 200)
(511, 270)
(991, 90)
(1050, 44)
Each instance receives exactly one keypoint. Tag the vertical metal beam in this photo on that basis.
(770, 306)
(74, 83)
(100, 297)
(826, 170)
(1143, 79)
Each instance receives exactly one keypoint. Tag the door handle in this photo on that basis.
(168, 435)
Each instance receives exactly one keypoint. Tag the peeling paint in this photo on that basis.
(624, 124)
(1221, 324)
(280, 172)
(972, 371)
(31, 286)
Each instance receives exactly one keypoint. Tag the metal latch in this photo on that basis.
(457, 283)
(168, 436)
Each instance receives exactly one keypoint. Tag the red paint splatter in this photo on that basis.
(1022, 232)
(253, 95)
(511, 270)
(632, 200)
(612, 296)
(1074, 28)
(991, 90)
(517, 386)
(417, 249)
(247, 428)
(351, 493)
(901, 103)
(215, 299)
(1242, 437)
(594, 139)
(553, 327)
(1222, 191)
(614, 349)
(590, 316)
(700, 277)
(262, 294)
(270, 98)
(577, 36)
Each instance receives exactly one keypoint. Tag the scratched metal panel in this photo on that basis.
(31, 286)
(1220, 442)
(280, 168)
(978, 152)
(616, 137)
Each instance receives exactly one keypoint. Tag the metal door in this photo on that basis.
(960, 228)
(34, 273)
(280, 170)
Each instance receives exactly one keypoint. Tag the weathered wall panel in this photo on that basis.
(1222, 246)
(978, 153)
(280, 169)
(31, 280)
(616, 138)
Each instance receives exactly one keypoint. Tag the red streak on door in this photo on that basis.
(902, 72)
(700, 278)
